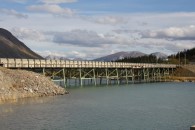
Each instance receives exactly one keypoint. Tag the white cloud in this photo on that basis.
(125, 31)
(18, 1)
(83, 38)
(13, 13)
(57, 1)
(30, 34)
(53, 9)
(174, 33)
(111, 20)
(91, 40)
(164, 45)
(86, 38)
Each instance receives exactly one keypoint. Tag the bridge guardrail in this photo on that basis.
(40, 63)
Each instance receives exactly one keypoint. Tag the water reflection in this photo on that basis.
(6, 110)
(31, 100)
(8, 107)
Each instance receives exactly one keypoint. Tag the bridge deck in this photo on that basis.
(40, 63)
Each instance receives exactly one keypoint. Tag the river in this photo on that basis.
(152, 106)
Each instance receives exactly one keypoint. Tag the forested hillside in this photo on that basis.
(142, 59)
(183, 57)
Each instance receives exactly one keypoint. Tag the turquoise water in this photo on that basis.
(154, 106)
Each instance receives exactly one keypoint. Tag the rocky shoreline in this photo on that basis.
(17, 84)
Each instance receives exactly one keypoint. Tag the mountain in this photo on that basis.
(159, 55)
(54, 57)
(78, 59)
(11, 47)
(136, 54)
(120, 55)
(112, 57)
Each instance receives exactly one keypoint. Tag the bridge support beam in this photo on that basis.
(82, 76)
(165, 73)
(56, 75)
(64, 76)
(146, 74)
(85, 74)
(112, 74)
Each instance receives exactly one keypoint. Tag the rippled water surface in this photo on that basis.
(155, 106)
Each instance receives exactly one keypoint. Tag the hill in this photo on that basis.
(134, 55)
(159, 55)
(120, 55)
(182, 57)
(54, 57)
(11, 47)
(184, 72)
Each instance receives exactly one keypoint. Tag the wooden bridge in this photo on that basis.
(93, 71)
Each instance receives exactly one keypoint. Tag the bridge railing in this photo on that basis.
(41, 63)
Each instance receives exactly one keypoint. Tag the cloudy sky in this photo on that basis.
(93, 28)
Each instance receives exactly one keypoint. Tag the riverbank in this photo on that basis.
(16, 84)
(182, 79)
(184, 73)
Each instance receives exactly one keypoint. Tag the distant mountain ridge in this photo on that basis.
(133, 54)
(159, 55)
(54, 57)
(11, 47)
(112, 57)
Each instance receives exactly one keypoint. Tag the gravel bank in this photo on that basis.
(16, 84)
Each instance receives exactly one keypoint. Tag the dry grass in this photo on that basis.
(182, 79)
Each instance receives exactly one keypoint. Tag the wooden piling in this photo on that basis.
(192, 127)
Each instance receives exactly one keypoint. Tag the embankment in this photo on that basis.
(184, 74)
(182, 79)
(16, 84)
